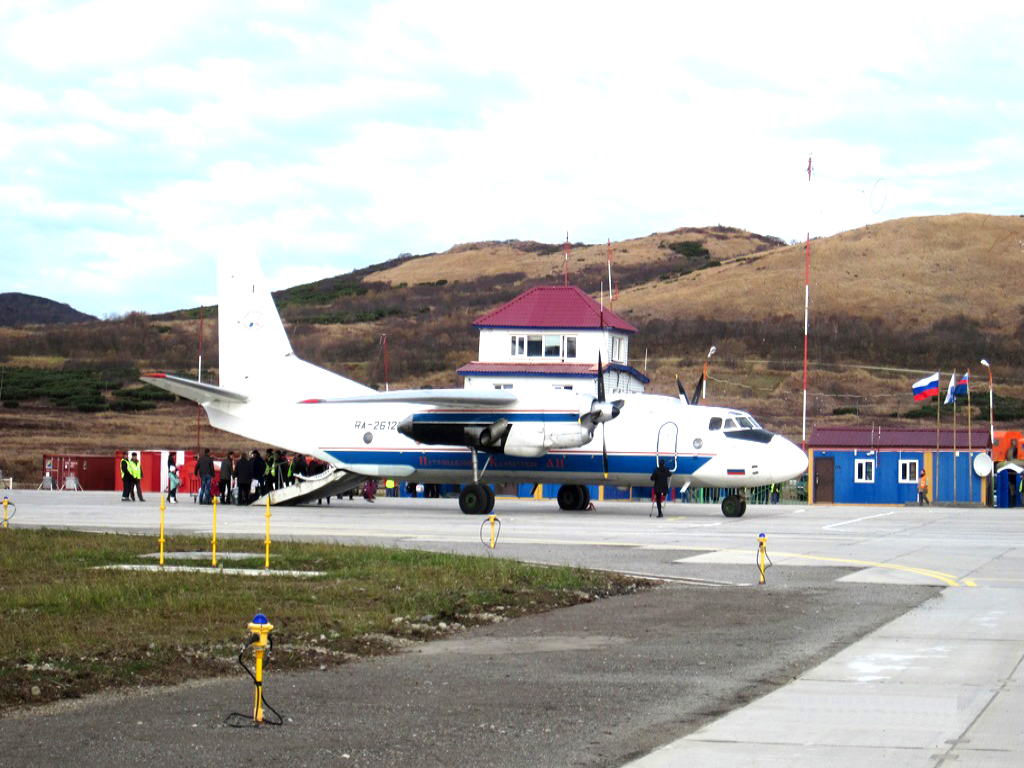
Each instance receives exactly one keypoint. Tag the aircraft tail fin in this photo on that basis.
(255, 354)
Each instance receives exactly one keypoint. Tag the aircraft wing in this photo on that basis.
(198, 391)
(458, 398)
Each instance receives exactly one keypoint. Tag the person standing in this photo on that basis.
(270, 472)
(660, 476)
(173, 481)
(204, 471)
(280, 476)
(243, 478)
(127, 481)
(922, 489)
(135, 469)
(259, 467)
(227, 471)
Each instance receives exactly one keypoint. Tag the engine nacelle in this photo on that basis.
(532, 439)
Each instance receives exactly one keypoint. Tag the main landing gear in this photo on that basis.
(476, 498)
(734, 505)
(573, 497)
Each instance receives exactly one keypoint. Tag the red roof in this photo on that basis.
(553, 306)
(896, 438)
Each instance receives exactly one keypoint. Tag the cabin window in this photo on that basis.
(908, 470)
(715, 423)
(864, 470)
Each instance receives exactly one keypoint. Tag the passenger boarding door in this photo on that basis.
(668, 440)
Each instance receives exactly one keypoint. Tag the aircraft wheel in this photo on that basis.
(733, 506)
(489, 507)
(473, 499)
(585, 494)
(569, 497)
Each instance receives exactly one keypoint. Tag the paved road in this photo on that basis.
(841, 657)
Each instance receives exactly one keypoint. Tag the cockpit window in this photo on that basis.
(746, 423)
(730, 424)
(715, 423)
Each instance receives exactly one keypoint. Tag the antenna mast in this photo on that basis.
(807, 295)
(566, 259)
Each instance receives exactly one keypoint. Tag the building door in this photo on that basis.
(824, 480)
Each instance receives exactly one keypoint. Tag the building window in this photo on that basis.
(865, 470)
(518, 346)
(552, 346)
(570, 346)
(908, 470)
(567, 387)
(503, 386)
(618, 349)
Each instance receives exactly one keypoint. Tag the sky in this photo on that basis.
(141, 141)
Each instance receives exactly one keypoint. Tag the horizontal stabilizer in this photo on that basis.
(198, 391)
(466, 398)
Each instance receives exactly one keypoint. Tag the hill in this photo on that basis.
(889, 303)
(23, 309)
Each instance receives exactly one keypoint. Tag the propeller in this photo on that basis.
(601, 411)
(697, 390)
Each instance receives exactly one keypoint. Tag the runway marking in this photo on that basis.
(947, 578)
(857, 520)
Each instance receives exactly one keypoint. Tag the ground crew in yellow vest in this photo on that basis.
(270, 472)
(135, 470)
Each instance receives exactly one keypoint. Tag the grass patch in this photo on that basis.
(70, 629)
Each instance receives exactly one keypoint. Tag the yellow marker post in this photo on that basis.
(5, 513)
(493, 520)
(266, 563)
(214, 541)
(260, 629)
(162, 507)
(762, 556)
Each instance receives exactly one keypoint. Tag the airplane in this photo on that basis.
(465, 436)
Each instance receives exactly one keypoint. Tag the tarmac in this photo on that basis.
(884, 636)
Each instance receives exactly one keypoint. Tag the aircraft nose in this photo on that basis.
(788, 461)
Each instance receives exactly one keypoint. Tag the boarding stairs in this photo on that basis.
(331, 482)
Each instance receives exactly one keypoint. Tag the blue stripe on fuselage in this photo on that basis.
(574, 462)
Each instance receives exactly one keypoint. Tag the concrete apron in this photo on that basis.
(943, 684)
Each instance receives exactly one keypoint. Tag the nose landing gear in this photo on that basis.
(734, 505)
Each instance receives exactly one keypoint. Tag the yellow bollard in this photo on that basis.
(214, 542)
(5, 513)
(266, 563)
(762, 555)
(162, 507)
(260, 629)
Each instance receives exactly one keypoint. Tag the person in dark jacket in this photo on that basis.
(227, 471)
(243, 477)
(660, 477)
(204, 471)
(259, 469)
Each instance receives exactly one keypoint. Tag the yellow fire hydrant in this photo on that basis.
(762, 556)
(259, 639)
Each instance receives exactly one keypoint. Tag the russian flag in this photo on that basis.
(927, 387)
(956, 388)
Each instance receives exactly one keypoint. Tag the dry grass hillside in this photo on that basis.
(904, 272)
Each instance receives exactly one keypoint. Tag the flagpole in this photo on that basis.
(970, 474)
(954, 441)
(935, 467)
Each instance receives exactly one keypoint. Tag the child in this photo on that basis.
(173, 481)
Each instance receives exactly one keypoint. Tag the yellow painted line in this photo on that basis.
(946, 578)
(969, 583)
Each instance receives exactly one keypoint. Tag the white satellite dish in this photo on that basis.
(982, 465)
